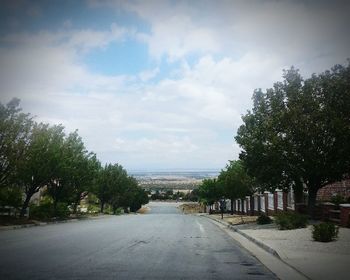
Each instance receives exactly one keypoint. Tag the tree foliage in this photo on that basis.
(42, 160)
(38, 156)
(210, 191)
(116, 188)
(15, 128)
(235, 182)
(298, 132)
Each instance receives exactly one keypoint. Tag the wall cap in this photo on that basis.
(327, 203)
(346, 205)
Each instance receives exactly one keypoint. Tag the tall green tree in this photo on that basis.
(102, 188)
(75, 173)
(111, 186)
(298, 132)
(210, 191)
(235, 182)
(134, 196)
(15, 129)
(119, 186)
(41, 161)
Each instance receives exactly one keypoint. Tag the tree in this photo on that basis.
(111, 186)
(76, 172)
(235, 181)
(15, 128)
(118, 187)
(298, 132)
(102, 186)
(210, 191)
(264, 143)
(84, 178)
(41, 161)
(135, 196)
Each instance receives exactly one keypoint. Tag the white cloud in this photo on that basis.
(193, 39)
(148, 74)
(187, 119)
(311, 35)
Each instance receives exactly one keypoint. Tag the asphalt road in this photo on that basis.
(163, 244)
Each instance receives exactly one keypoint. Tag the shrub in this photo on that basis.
(263, 219)
(325, 232)
(119, 211)
(338, 199)
(11, 196)
(290, 220)
(93, 209)
(62, 210)
(45, 211)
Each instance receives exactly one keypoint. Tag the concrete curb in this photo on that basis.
(257, 242)
(254, 240)
(13, 227)
(3, 228)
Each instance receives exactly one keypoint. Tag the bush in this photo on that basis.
(338, 199)
(263, 219)
(11, 196)
(119, 211)
(93, 209)
(45, 211)
(62, 210)
(325, 232)
(290, 220)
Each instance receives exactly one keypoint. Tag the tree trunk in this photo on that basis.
(55, 207)
(75, 207)
(298, 192)
(114, 209)
(312, 201)
(102, 206)
(231, 206)
(25, 204)
(76, 203)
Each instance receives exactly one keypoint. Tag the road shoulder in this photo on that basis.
(265, 254)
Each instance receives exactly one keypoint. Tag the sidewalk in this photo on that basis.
(315, 260)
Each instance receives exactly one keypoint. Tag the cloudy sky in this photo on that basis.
(160, 84)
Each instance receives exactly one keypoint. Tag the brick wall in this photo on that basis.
(341, 188)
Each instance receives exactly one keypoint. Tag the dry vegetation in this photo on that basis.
(237, 219)
(143, 210)
(191, 208)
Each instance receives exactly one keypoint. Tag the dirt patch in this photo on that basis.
(237, 219)
(191, 208)
(143, 210)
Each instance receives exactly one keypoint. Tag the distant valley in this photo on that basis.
(176, 180)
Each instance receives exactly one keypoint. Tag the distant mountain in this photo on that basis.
(172, 179)
(195, 174)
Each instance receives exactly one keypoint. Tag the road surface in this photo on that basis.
(163, 244)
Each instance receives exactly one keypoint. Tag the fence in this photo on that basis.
(271, 203)
(11, 211)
